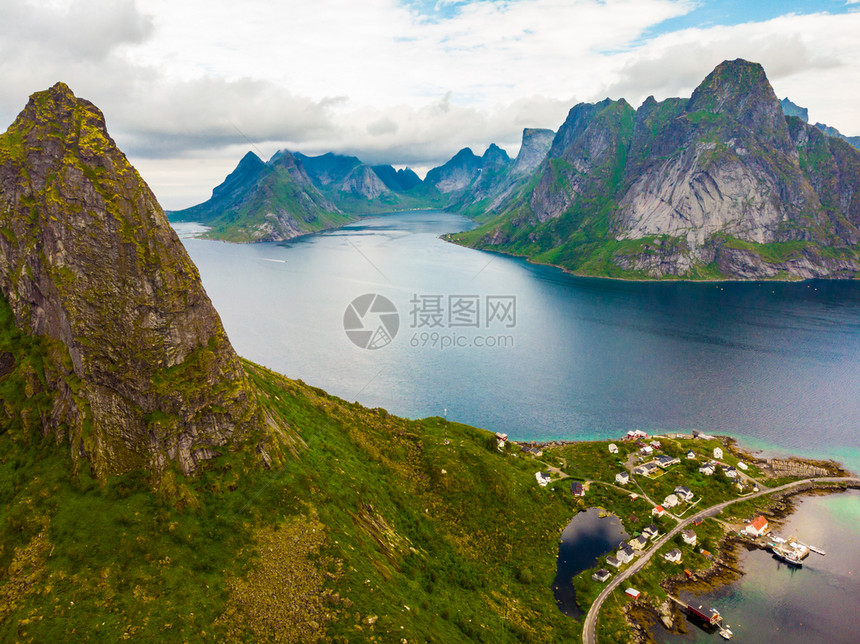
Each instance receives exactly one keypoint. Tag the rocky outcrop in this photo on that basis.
(720, 185)
(535, 146)
(144, 375)
(363, 182)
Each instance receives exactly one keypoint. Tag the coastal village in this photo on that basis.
(656, 485)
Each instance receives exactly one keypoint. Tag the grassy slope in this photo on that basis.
(359, 524)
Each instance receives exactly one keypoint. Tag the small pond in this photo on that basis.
(586, 538)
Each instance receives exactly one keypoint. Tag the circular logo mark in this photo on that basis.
(371, 321)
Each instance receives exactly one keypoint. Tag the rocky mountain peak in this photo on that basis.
(494, 157)
(144, 374)
(535, 145)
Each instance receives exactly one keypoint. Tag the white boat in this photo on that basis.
(726, 633)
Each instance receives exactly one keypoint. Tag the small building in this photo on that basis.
(613, 448)
(718, 453)
(684, 492)
(622, 478)
(673, 555)
(743, 466)
(632, 592)
(664, 460)
(757, 527)
(731, 472)
(658, 511)
(691, 455)
(651, 532)
(707, 469)
(646, 469)
(625, 554)
(601, 575)
(635, 434)
(577, 489)
(670, 501)
(689, 537)
(612, 561)
(638, 543)
(542, 478)
(656, 444)
(647, 450)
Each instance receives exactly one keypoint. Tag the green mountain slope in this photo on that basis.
(155, 487)
(717, 186)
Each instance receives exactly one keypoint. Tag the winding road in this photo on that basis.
(589, 626)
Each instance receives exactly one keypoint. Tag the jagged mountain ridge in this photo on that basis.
(262, 201)
(714, 186)
(802, 113)
(141, 372)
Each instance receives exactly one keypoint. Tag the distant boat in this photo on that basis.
(726, 633)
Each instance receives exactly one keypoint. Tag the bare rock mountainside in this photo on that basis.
(140, 373)
(720, 185)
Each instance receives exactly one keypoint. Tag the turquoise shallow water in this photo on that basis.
(777, 364)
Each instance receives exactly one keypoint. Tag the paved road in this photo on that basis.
(589, 626)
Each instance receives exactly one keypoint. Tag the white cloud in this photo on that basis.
(193, 81)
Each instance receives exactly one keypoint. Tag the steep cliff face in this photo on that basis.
(262, 201)
(720, 185)
(536, 144)
(143, 373)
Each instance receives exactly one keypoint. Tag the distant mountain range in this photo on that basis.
(729, 184)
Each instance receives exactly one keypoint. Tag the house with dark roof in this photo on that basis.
(684, 492)
(689, 537)
(622, 478)
(664, 460)
(651, 531)
(625, 554)
(638, 543)
(601, 575)
(612, 561)
(577, 489)
(673, 555)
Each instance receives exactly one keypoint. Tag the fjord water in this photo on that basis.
(777, 364)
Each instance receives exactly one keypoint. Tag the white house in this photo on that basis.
(743, 466)
(664, 460)
(625, 554)
(601, 575)
(718, 453)
(542, 478)
(651, 531)
(670, 501)
(691, 455)
(731, 472)
(757, 527)
(707, 469)
(622, 478)
(673, 555)
(647, 449)
(612, 561)
(689, 537)
(684, 492)
(613, 448)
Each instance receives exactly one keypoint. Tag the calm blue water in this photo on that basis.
(775, 364)
(586, 538)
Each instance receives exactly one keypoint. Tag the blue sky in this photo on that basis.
(186, 85)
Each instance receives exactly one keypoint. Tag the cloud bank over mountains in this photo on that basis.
(188, 87)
